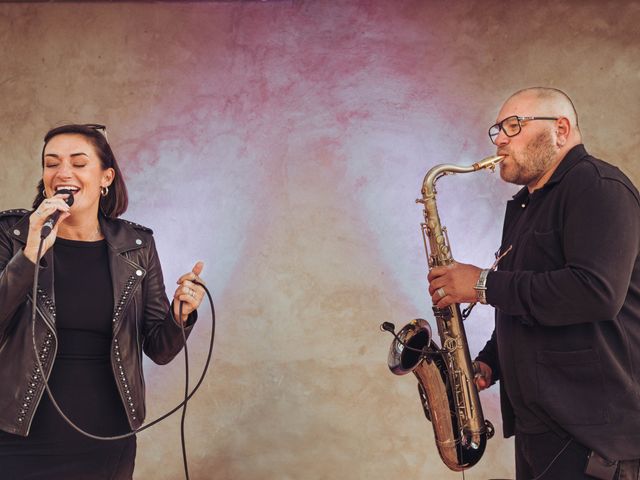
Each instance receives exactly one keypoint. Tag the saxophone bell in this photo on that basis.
(411, 345)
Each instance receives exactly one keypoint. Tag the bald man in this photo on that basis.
(566, 344)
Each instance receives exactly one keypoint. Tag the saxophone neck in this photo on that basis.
(432, 176)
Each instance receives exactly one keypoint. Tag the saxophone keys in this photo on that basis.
(450, 344)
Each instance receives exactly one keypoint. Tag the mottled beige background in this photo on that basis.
(284, 143)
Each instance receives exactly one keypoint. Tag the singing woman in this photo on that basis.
(100, 302)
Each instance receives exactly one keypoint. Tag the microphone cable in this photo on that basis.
(186, 390)
(187, 395)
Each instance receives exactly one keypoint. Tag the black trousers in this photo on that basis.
(110, 460)
(536, 452)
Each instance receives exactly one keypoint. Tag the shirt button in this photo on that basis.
(139, 273)
(16, 232)
(138, 241)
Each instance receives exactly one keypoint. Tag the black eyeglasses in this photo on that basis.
(511, 126)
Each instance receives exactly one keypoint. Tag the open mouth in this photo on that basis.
(71, 188)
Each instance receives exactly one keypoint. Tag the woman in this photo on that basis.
(101, 302)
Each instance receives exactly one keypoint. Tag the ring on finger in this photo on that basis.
(441, 292)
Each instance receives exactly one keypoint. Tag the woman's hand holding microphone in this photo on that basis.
(37, 219)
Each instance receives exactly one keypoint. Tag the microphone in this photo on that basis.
(53, 218)
(391, 328)
(388, 326)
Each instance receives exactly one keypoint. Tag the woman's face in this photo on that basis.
(71, 162)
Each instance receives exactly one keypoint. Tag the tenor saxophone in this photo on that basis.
(445, 374)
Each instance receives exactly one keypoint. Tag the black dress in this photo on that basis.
(82, 382)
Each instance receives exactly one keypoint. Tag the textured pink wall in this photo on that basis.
(284, 144)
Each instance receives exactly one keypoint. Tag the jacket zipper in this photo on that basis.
(42, 373)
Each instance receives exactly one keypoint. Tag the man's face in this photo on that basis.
(529, 154)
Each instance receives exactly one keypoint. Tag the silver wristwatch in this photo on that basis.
(481, 287)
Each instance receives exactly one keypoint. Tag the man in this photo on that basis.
(566, 344)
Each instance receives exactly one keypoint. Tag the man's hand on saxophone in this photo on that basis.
(483, 375)
(457, 283)
(453, 283)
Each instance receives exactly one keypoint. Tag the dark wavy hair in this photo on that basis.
(116, 201)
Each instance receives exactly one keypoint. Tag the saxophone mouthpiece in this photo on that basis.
(488, 162)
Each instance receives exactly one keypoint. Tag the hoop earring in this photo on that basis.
(44, 193)
(104, 191)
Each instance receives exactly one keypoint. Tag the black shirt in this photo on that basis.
(82, 379)
(566, 345)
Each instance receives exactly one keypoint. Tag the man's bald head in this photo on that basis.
(551, 101)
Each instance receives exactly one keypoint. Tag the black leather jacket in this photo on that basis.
(142, 318)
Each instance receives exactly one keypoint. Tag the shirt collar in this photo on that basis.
(121, 235)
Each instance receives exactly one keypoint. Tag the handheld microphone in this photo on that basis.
(53, 218)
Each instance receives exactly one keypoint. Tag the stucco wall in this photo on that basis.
(284, 143)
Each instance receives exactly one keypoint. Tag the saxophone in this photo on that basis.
(445, 375)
